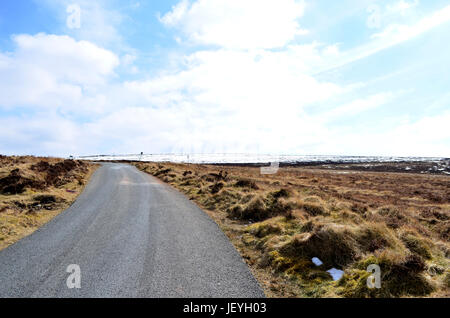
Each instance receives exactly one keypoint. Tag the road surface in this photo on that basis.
(131, 236)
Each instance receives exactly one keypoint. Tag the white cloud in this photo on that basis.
(75, 61)
(238, 84)
(401, 6)
(397, 33)
(238, 24)
(240, 97)
(222, 100)
(52, 71)
(42, 133)
(358, 106)
(428, 136)
(128, 59)
(390, 36)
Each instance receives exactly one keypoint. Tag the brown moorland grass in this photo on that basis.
(347, 219)
(33, 190)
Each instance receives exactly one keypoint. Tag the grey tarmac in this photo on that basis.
(132, 236)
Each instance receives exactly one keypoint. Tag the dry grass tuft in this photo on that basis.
(33, 190)
(333, 244)
(246, 183)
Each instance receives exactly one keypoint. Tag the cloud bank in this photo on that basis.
(248, 83)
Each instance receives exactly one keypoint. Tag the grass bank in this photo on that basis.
(33, 190)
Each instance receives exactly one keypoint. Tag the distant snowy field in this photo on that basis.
(252, 158)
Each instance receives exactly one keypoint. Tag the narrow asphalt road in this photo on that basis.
(131, 236)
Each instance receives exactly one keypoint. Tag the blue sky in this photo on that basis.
(347, 77)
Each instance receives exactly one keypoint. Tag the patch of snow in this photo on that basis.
(316, 261)
(252, 158)
(335, 273)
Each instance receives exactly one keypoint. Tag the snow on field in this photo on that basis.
(251, 158)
